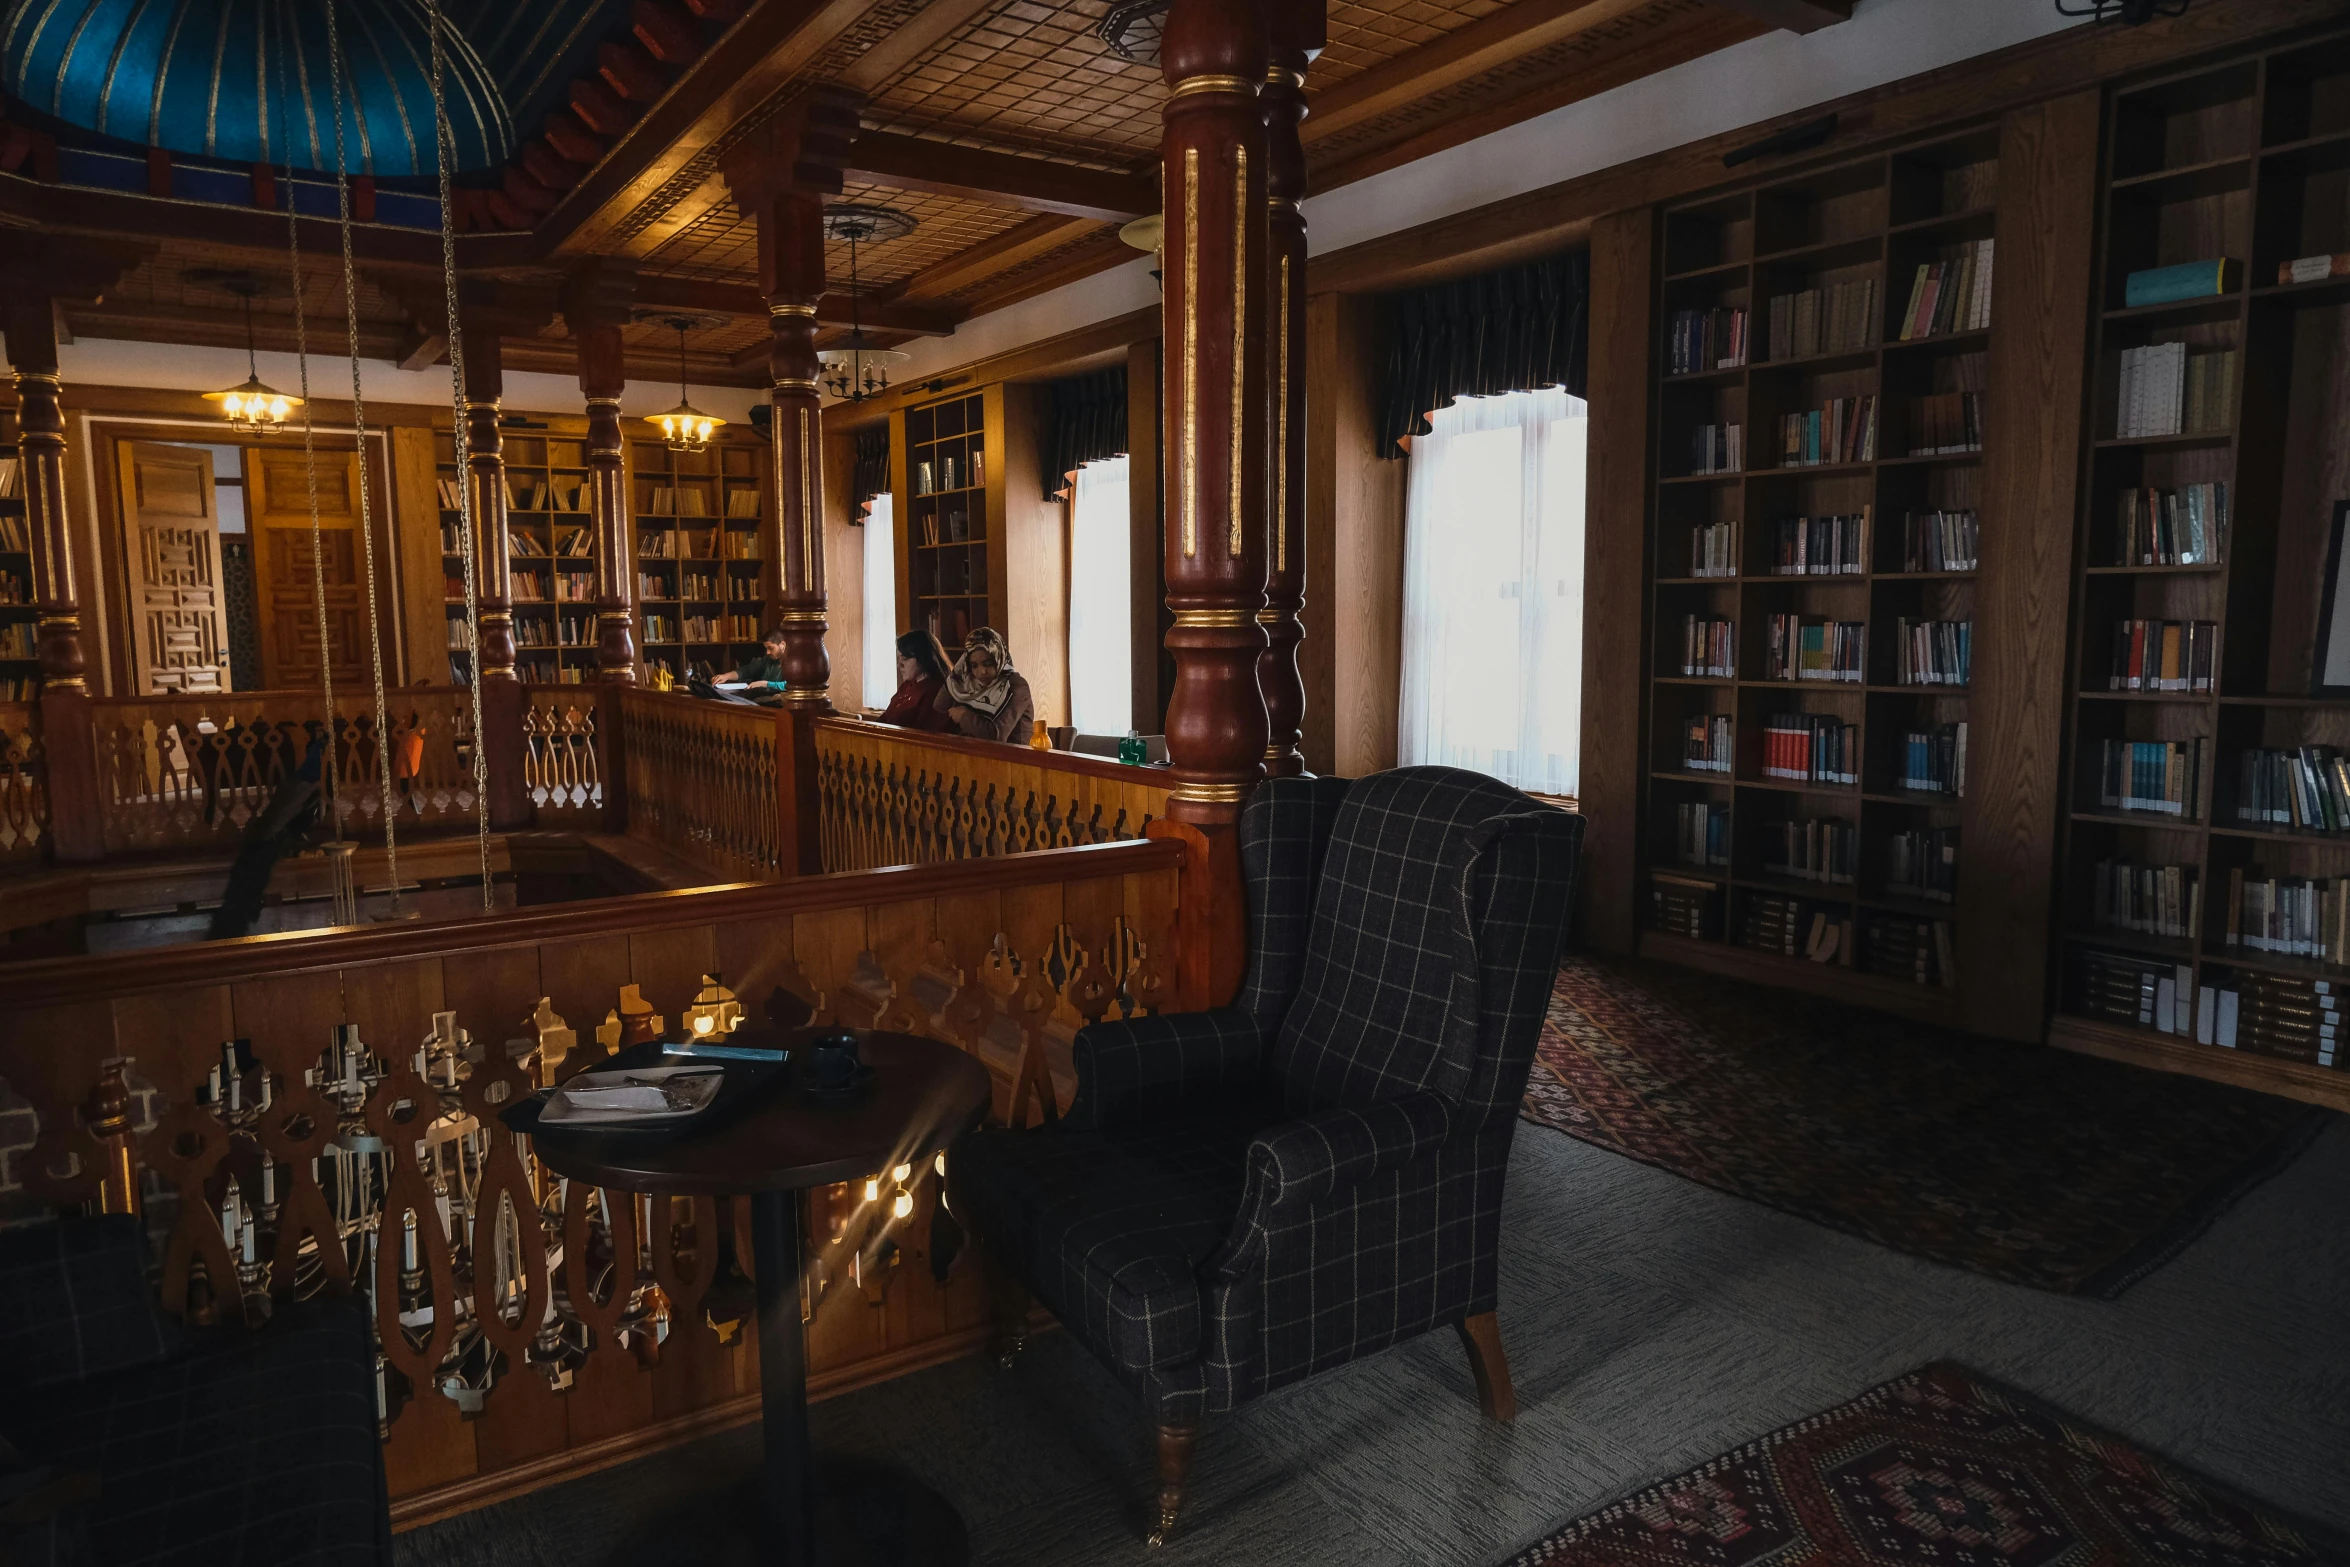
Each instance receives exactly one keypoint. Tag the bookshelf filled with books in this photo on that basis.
(1820, 388)
(2204, 876)
(952, 546)
(551, 553)
(20, 668)
(700, 554)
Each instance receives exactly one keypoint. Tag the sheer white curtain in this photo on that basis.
(1493, 590)
(1101, 603)
(881, 604)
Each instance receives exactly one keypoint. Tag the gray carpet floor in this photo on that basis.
(1651, 1323)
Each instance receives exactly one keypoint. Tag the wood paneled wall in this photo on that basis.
(844, 572)
(1351, 659)
(1036, 554)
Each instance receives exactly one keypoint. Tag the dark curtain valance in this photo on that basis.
(1084, 421)
(1511, 331)
(870, 476)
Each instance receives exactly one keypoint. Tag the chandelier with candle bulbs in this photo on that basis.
(254, 408)
(856, 370)
(684, 428)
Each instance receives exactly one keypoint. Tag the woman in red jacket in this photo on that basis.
(922, 675)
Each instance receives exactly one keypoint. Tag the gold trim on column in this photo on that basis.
(809, 520)
(799, 617)
(1190, 430)
(474, 403)
(1210, 793)
(603, 402)
(792, 310)
(1276, 75)
(794, 383)
(50, 376)
(1281, 434)
(1236, 541)
(1213, 619)
(1199, 84)
(1270, 617)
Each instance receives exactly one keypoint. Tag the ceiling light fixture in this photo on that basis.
(857, 370)
(1132, 30)
(254, 408)
(684, 428)
(2130, 13)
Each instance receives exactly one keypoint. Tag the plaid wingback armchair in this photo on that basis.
(1240, 1198)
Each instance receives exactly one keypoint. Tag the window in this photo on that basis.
(1493, 590)
(881, 604)
(1101, 601)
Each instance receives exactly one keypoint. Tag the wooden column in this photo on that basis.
(595, 308)
(1295, 36)
(1213, 158)
(493, 654)
(68, 739)
(780, 176)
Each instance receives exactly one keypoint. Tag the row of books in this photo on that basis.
(1844, 430)
(1946, 424)
(2161, 776)
(2162, 655)
(1822, 849)
(1811, 748)
(1940, 541)
(2306, 789)
(667, 500)
(1682, 905)
(2128, 987)
(2290, 916)
(1799, 649)
(2281, 1016)
(1922, 862)
(1950, 295)
(701, 628)
(2167, 390)
(1839, 319)
(1775, 924)
(1933, 761)
(1919, 950)
(16, 534)
(1709, 647)
(1713, 549)
(2182, 527)
(14, 589)
(21, 688)
(1831, 546)
(953, 528)
(1707, 340)
(1705, 744)
(702, 545)
(575, 587)
(12, 483)
(2146, 900)
(570, 544)
(460, 634)
(1713, 448)
(1932, 652)
(16, 639)
(1702, 834)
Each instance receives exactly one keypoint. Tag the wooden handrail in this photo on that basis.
(999, 751)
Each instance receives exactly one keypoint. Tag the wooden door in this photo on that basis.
(171, 543)
(277, 490)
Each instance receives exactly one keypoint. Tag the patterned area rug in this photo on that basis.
(2035, 1166)
(1938, 1468)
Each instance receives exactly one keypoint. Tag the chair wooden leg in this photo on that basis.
(1007, 1303)
(1175, 1444)
(1481, 1337)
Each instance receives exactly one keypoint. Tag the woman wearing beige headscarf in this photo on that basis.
(985, 696)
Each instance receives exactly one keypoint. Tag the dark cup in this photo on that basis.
(834, 1065)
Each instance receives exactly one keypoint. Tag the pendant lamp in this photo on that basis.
(254, 408)
(684, 428)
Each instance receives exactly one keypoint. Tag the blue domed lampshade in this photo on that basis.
(248, 81)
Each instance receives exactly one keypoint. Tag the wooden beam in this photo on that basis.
(989, 257)
(1495, 40)
(1098, 252)
(710, 193)
(756, 59)
(1086, 348)
(1796, 16)
(655, 291)
(909, 40)
(1031, 184)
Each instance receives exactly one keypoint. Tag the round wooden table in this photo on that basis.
(921, 1096)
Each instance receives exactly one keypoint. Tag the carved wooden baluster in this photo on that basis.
(578, 1284)
(1091, 990)
(904, 1013)
(1149, 987)
(506, 1194)
(185, 1147)
(970, 1011)
(684, 1282)
(398, 1112)
(295, 1131)
(1031, 1009)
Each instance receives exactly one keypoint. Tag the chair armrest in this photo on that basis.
(1148, 1068)
(1299, 1163)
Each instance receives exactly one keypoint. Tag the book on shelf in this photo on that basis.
(2130, 987)
(453, 538)
(1682, 905)
(1708, 340)
(2186, 280)
(1933, 761)
(12, 480)
(453, 589)
(16, 533)
(1841, 431)
(1709, 647)
(522, 542)
(1829, 546)
(1932, 652)
(1822, 849)
(19, 688)
(660, 628)
(1702, 834)
(14, 589)
(575, 587)
(1922, 862)
(573, 542)
(2283, 1016)
(2302, 269)
(2166, 390)
(2164, 777)
(1811, 748)
(2162, 655)
(452, 493)
(748, 544)
(2289, 916)
(1713, 448)
(16, 640)
(742, 502)
(2182, 527)
(1799, 649)
(2146, 900)
(1773, 924)
(671, 500)
(1705, 743)
(2306, 789)
(1713, 549)
(1918, 950)
(1946, 424)
(1950, 295)
(1840, 318)
(657, 545)
(1940, 541)
(460, 634)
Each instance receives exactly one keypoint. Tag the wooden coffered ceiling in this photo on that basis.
(1016, 140)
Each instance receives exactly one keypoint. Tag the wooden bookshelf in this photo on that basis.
(1856, 231)
(2247, 160)
(948, 475)
(20, 668)
(552, 556)
(701, 549)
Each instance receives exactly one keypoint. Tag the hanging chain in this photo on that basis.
(445, 149)
(336, 70)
